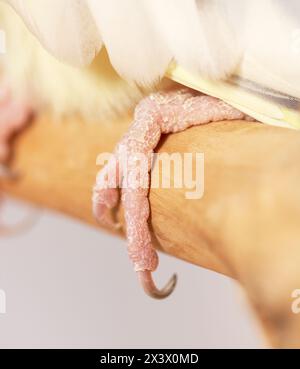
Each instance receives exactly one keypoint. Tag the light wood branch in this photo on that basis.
(246, 226)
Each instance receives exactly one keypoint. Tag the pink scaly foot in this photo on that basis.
(158, 114)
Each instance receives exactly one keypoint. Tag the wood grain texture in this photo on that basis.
(246, 226)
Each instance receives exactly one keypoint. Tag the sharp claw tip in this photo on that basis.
(149, 287)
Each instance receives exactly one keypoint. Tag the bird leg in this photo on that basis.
(160, 113)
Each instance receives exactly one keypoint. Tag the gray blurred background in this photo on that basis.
(70, 286)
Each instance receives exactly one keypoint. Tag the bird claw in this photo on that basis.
(160, 113)
(146, 280)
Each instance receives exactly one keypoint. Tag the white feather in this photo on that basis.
(197, 35)
(64, 27)
(212, 37)
(136, 50)
(272, 46)
(141, 36)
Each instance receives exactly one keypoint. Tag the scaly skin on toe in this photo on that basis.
(160, 113)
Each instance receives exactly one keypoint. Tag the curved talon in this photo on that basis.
(146, 280)
(7, 173)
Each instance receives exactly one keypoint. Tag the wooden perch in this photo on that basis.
(246, 226)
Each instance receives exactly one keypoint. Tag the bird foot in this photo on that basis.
(129, 169)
